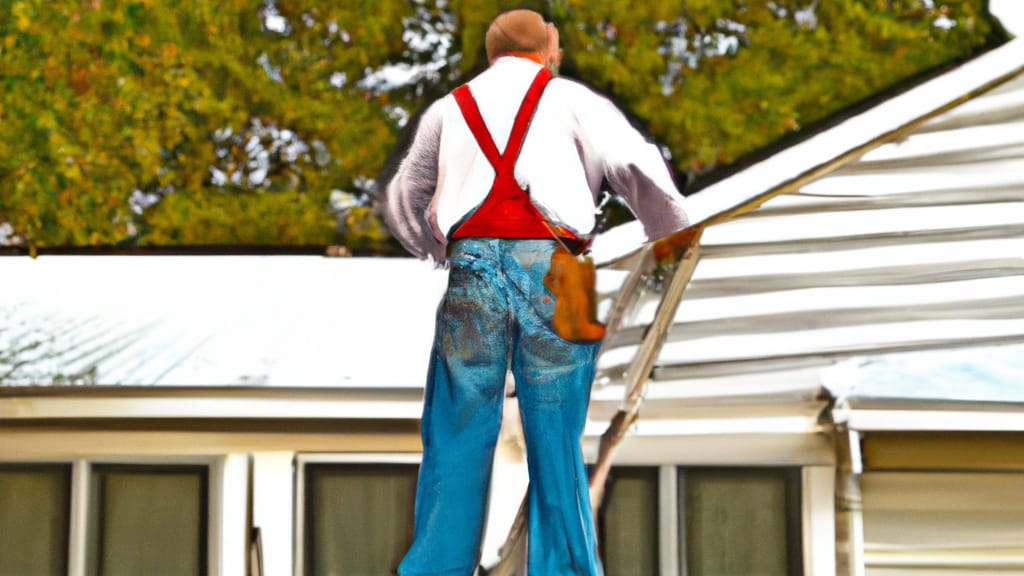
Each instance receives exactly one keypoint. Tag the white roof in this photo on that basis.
(216, 321)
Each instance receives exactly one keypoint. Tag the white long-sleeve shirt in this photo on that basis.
(577, 139)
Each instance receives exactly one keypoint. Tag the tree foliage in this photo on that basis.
(151, 122)
(725, 77)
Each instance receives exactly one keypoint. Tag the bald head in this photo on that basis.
(519, 31)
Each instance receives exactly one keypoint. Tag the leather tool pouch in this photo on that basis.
(571, 279)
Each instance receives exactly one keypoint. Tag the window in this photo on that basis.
(34, 519)
(358, 518)
(147, 520)
(739, 521)
(136, 519)
(629, 522)
(702, 522)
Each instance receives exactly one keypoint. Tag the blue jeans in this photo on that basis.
(496, 314)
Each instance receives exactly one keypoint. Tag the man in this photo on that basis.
(500, 181)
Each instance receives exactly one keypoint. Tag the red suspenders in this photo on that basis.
(507, 212)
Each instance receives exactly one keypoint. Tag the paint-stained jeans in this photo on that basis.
(496, 313)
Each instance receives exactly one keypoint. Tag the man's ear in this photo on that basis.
(554, 48)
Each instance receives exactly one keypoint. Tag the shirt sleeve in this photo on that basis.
(408, 197)
(632, 165)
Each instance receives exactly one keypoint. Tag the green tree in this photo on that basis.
(716, 80)
(150, 122)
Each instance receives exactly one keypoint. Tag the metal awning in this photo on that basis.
(898, 232)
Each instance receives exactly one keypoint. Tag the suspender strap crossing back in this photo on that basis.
(507, 211)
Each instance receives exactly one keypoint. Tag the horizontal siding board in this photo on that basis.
(882, 276)
(804, 203)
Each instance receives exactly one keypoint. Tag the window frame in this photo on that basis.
(215, 503)
(793, 493)
(806, 486)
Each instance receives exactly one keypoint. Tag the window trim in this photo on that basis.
(818, 512)
(669, 528)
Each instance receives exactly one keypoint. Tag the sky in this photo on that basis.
(1010, 13)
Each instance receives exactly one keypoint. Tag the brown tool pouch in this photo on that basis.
(571, 279)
